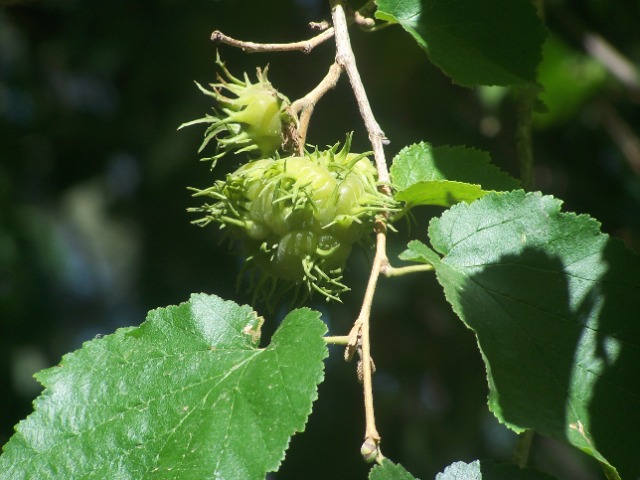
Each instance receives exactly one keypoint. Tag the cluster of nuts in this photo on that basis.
(298, 216)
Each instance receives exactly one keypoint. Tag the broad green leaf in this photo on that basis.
(187, 395)
(487, 470)
(555, 306)
(390, 471)
(426, 175)
(475, 42)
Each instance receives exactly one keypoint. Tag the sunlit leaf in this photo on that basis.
(426, 175)
(187, 395)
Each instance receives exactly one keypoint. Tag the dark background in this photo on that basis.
(93, 197)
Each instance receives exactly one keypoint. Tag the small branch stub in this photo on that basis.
(305, 105)
(346, 59)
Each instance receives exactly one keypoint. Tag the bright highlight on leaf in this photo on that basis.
(488, 470)
(555, 305)
(475, 42)
(188, 394)
(426, 175)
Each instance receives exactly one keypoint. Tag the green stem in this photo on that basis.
(400, 271)
(523, 448)
(337, 340)
(525, 100)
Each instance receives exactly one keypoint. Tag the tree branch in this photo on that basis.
(304, 46)
(305, 105)
(359, 341)
(359, 338)
(346, 59)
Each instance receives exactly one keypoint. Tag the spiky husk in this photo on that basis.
(298, 217)
(248, 117)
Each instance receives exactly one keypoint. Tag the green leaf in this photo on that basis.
(487, 470)
(555, 305)
(440, 192)
(187, 395)
(419, 252)
(475, 42)
(426, 175)
(390, 471)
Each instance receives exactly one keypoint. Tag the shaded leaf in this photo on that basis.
(555, 305)
(426, 175)
(473, 41)
(188, 394)
(487, 470)
(390, 471)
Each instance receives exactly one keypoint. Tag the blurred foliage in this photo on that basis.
(93, 176)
